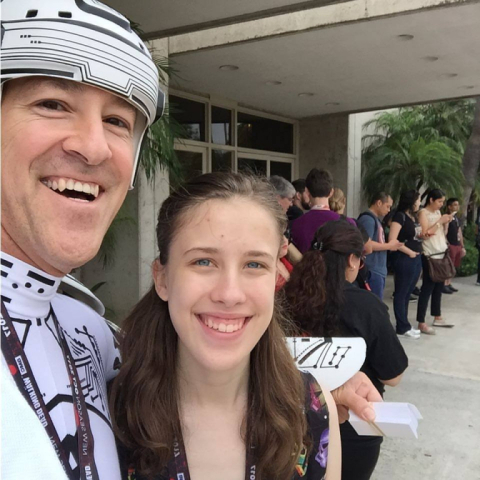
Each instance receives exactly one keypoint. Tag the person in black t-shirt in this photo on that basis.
(324, 302)
(407, 264)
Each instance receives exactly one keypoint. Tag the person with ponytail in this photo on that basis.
(323, 301)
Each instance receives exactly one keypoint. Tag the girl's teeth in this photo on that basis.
(70, 184)
(222, 327)
(61, 185)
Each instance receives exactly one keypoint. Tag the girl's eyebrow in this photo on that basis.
(212, 251)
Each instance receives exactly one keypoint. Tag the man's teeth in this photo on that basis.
(229, 326)
(69, 184)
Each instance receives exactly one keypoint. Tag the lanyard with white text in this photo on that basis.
(21, 371)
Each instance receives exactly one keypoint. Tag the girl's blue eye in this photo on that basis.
(203, 262)
(254, 265)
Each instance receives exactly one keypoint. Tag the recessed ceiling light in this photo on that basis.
(405, 37)
(306, 94)
(228, 68)
(332, 104)
(449, 75)
(273, 82)
(430, 58)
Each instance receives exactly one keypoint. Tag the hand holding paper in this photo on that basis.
(392, 420)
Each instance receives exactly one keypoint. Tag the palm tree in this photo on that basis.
(417, 147)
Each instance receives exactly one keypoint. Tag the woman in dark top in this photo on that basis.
(207, 389)
(407, 263)
(324, 302)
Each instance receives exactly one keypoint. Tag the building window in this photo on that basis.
(191, 166)
(190, 114)
(222, 138)
(283, 169)
(249, 165)
(222, 161)
(262, 133)
(221, 126)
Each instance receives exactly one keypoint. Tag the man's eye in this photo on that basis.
(203, 262)
(52, 105)
(117, 122)
(254, 265)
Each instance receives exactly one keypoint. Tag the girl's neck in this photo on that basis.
(431, 208)
(202, 387)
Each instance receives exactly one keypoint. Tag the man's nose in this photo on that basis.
(88, 140)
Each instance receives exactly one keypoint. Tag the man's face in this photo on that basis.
(385, 207)
(453, 207)
(285, 202)
(67, 159)
(304, 200)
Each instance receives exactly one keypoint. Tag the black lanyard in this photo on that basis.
(178, 466)
(21, 371)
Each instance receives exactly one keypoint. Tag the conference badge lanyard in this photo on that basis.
(21, 371)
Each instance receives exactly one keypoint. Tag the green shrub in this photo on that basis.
(470, 260)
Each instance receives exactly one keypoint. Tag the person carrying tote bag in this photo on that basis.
(434, 248)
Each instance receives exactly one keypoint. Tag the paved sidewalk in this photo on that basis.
(443, 381)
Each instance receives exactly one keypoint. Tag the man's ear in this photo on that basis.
(331, 192)
(160, 279)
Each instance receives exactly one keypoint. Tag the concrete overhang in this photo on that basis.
(164, 18)
(352, 56)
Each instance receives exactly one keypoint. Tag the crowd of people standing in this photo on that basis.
(337, 286)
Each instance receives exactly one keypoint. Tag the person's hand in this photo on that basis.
(413, 254)
(445, 218)
(356, 395)
(394, 245)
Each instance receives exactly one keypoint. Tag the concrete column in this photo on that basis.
(354, 188)
(324, 144)
(151, 194)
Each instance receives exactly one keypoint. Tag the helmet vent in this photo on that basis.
(65, 14)
(31, 14)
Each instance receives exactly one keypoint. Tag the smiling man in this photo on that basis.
(79, 90)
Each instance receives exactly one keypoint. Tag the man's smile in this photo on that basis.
(74, 189)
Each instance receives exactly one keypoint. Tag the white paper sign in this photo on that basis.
(331, 361)
(392, 419)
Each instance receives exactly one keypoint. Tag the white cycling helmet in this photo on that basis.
(84, 41)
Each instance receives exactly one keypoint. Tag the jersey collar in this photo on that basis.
(26, 290)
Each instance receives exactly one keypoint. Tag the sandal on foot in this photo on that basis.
(426, 329)
(443, 323)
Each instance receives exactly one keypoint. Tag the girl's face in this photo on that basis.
(220, 282)
(437, 204)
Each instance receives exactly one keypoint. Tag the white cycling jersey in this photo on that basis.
(29, 295)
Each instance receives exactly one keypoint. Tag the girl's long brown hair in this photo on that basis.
(144, 396)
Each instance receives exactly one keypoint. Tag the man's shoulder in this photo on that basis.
(367, 216)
